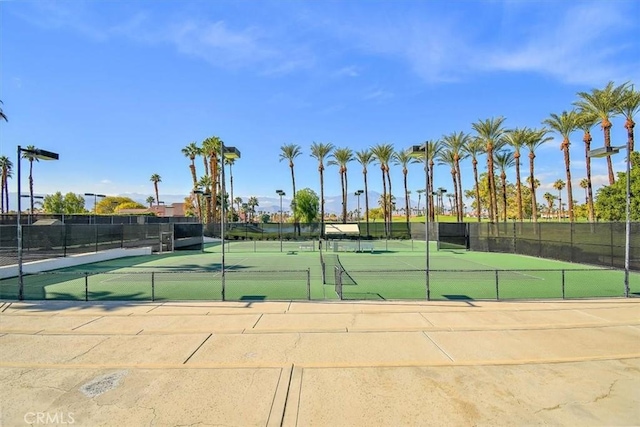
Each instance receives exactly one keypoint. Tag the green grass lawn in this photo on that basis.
(392, 271)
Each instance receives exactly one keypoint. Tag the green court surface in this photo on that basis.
(389, 271)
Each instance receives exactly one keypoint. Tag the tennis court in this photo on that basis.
(389, 271)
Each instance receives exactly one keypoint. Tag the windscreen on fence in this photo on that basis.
(586, 243)
(453, 235)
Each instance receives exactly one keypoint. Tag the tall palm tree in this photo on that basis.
(238, 202)
(504, 160)
(474, 148)
(491, 132)
(433, 150)
(447, 157)
(517, 139)
(603, 103)
(382, 154)
(420, 192)
(320, 151)
(211, 150)
(536, 139)
(586, 121)
(289, 152)
(341, 157)
(629, 106)
(191, 151)
(559, 185)
(456, 143)
(564, 124)
(6, 167)
(30, 156)
(403, 158)
(252, 203)
(365, 157)
(155, 178)
(150, 200)
(549, 198)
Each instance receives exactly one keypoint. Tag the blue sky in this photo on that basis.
(119, 88)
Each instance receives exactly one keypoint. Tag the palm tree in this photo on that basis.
(2, 115)
(564, 124)
(365, 157)
(150, 200)
(584, 184)
(517, 138)
(604, 104)
(211, 149)
(155, 178)
(536, 139)
(549, 198)
(252, 203)
(447, 157)
(403, 158)
(629, 106)
(382, 154)
(238, 202)
(559, 185)
(474, 148)
(504, 160)
(289, 152)
(456, 143)
(6, 167)
(191, 151)
(320, 151)
(586, 121)
(342, 156)
(491, 132)
(30, 156)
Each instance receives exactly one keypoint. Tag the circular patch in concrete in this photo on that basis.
(103, 383)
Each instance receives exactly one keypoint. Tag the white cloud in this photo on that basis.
(351, 71)
(378, 95)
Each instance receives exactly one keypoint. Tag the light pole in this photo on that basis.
(227, 153)
(38, 154)
(95, 204)
(418, 151)
(358, 193)
(606, 152)
(280, 193)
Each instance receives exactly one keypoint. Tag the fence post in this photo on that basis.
(86, 286)
(497, 287)
(308, 283)
(153, 286)
(563, 283)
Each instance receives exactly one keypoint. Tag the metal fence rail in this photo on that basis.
(240, 285)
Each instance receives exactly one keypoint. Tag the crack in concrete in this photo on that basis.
(88, 350)
(605, 395)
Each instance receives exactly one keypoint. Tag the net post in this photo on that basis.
(153, 286)
(86, 286)
(497, 287)
(563, 294)
(309, 284)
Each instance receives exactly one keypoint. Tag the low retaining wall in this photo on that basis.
(71, 261)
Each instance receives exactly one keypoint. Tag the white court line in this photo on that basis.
(503, 271)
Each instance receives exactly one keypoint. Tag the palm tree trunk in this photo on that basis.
(384, 199)
(503, 179)
(569, 186)
(406, 195)
(491, 184)
(344, 196)
(296, 225)
(213, 160)
(460, 210)
(475, 178)
(321, 170)
(30, 185)
(231, 184)
(606, 127)
(455, 189)
(432, 214)
(366, 199)
(534, 206)
(390, 197)
(194, 177)
(518, 187)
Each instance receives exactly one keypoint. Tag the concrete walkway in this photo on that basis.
(327, 364)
